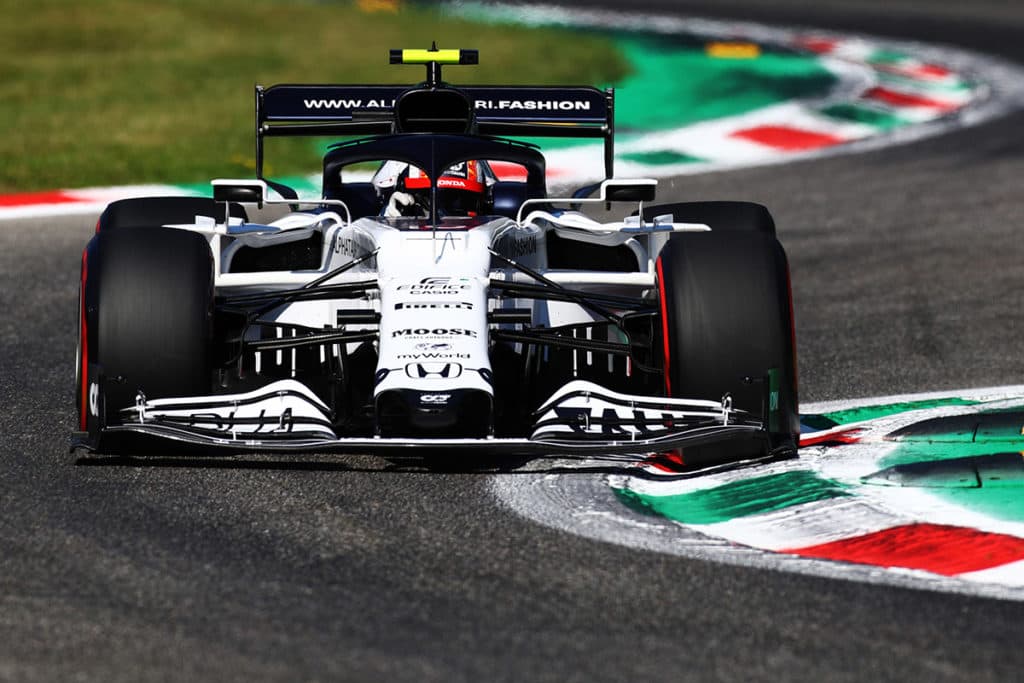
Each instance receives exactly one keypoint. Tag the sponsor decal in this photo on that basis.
(435, 399)
(347, 105)
(433, 356)
(433, 346)
(454, 183)
(232, 422)
(347, 246)
(435, 285)
(434, 332)
(433, 370)
(522, 246)
(532, 105)
(609, 421)
(420, 305)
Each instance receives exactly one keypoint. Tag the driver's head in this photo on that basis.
(461, 190)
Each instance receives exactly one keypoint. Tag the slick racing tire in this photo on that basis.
(150, 211)
(727, 319)
(146, 322)
(721, 216)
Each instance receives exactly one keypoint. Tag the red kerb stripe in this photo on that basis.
(846, 436)
(786, 138)
(902, 99)
(933, 70)
(937, 548)
(927, 72)
(819, 45)
(54, 197)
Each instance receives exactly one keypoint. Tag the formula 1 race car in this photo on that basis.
(435, 299)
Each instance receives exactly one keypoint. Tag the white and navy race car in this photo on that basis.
(435, 298)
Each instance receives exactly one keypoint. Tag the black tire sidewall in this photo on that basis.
(148, 297)
(728, 315)
(721, 216)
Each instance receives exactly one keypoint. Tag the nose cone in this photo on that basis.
(456, 413)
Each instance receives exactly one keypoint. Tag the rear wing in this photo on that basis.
(526, 111)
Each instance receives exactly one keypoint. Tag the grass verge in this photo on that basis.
(122, 91)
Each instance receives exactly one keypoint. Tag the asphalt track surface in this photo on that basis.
(908, 266)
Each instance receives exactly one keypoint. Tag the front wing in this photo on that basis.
(581, 419)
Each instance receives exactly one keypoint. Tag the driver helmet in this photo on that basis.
(462, 190)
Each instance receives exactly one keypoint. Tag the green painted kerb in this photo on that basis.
(661, 158)
(884, 410)
(675, 82)
(1002, 503)
(861, 114)
(737, 499)
(1001, 500)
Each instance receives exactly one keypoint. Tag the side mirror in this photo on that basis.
(241, 191)
(638, 190)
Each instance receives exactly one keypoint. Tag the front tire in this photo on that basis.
(726, 316)
(723, 216)
(146, 318)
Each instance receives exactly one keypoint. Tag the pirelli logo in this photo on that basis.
(435, 305)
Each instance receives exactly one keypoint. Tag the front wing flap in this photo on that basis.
(581, 419)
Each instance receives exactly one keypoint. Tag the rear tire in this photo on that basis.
(721, 216)
(726, 315)
(147, 316)
(150, 211)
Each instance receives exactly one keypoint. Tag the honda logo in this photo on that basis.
(433, 370)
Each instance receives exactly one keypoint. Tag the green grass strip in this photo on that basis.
(737, 499)
(121, 91)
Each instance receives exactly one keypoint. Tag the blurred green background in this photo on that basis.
(109, 92)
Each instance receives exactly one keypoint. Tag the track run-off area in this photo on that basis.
(907, 269)
(828, 506)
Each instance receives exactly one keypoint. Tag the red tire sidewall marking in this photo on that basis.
(664, 326)
(83, 341)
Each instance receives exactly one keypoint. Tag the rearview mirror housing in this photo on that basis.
(632, 190)
(246, 191)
